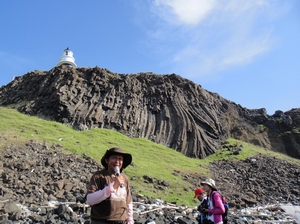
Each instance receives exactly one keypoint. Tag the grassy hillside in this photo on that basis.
(150, 159)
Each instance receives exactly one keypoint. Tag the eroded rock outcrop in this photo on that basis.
(166, 109)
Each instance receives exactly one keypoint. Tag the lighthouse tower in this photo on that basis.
(67, 58)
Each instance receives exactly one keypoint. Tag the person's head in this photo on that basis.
(116, 157)
(209, 185)
(199, 193)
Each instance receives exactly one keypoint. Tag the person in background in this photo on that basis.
(201, 196)
(108, 192)
(215, 205)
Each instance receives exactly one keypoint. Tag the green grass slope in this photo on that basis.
(151, 159)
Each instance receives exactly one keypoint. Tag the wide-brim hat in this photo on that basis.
(209, 182)
(127, 158)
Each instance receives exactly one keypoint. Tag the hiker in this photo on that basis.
(215, 204)
(108, 192)
(201, 196)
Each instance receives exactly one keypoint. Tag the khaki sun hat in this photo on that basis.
(209, 182)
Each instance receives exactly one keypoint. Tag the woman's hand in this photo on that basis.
(205, 210)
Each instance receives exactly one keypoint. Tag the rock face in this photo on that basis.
(166, 109)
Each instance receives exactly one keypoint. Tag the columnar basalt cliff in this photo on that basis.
(166, 109)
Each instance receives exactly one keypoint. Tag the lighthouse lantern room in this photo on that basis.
(67, 59)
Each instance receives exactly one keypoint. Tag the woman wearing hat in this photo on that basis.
(108, 192)
(215, 204)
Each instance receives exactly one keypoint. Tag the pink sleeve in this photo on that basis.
(98, 196)
(219, 208)
(130, 214)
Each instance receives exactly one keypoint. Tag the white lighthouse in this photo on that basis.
(67, 58)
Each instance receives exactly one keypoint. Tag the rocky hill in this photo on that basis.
(166, 109)
(41, 184)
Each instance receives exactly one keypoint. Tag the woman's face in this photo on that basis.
(206, 187)
(113, 161)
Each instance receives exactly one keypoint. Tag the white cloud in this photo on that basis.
(187, 12)
(244, 52)
(205, 36)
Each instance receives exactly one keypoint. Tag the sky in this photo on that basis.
(247, 51)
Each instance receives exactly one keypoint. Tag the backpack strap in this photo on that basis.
(212, 197)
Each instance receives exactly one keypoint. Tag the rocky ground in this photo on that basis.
(40, 184)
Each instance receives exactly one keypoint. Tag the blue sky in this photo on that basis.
(246, 51)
